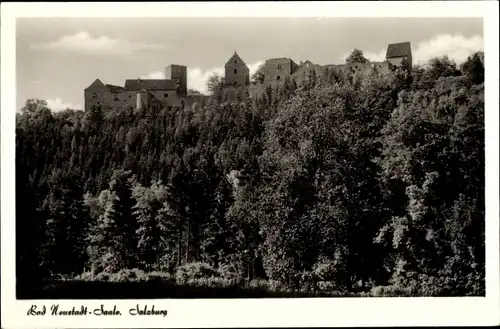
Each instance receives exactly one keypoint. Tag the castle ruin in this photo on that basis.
(172, 90)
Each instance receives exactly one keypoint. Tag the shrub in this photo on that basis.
(129, 275)
(324, 271)
(259, 284)
(210, 282)
(106, 262)
(230, 272)
(413, 285)
(308, 281)
(194, 271)
(62, 277)
(167, 262)
(86, 276)
(278, 286)
(267, 285)
(160, 276)
(103, 276)
(333, 274)
(391, 291)
(431, 286)
(327, 286)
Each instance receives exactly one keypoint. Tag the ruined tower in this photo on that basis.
(396, 52)
(178, 72)
(142, 99)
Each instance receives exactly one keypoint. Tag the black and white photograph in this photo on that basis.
(247, 158)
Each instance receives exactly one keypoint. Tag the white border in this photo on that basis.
(260, 312)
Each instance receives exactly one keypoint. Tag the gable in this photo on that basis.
(235, 60)
(97, 84)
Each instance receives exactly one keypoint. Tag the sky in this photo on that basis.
(57, 58)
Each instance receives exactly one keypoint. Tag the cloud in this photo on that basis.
(376, 57)
(57, 105)
(197, 78)
(458, 47)
(154, 75)
(83, 42)
(254, 67)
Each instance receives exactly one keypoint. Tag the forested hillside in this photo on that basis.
(338, 184)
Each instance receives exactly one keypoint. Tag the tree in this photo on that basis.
(363, 181)
(405, 65)
(417, 68)
(323, 185)
(356, 56)
(430, 186)
(258, 76)
(441, 67)
(33, 105)
(93, 118)
(65, 244)
(193, 92)
(217, 238)
(124, 221)
(30, 224)
(156, 227)
(101, 252)
(214, 83)
(113, 237)
(473, 68)
(402, 76)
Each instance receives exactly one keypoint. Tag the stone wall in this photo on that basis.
(98, 95)
(361, 68)
(304, 70)
(278, 69)
(399, 60)
(129, 98)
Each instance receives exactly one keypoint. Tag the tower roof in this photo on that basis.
(398, 50)
(114, 89)
(96, 83)
(99, 84)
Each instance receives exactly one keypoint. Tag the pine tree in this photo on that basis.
(66, 224)
(217, 235)
(124, 223)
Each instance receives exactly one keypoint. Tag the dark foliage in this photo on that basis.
(340, 184)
